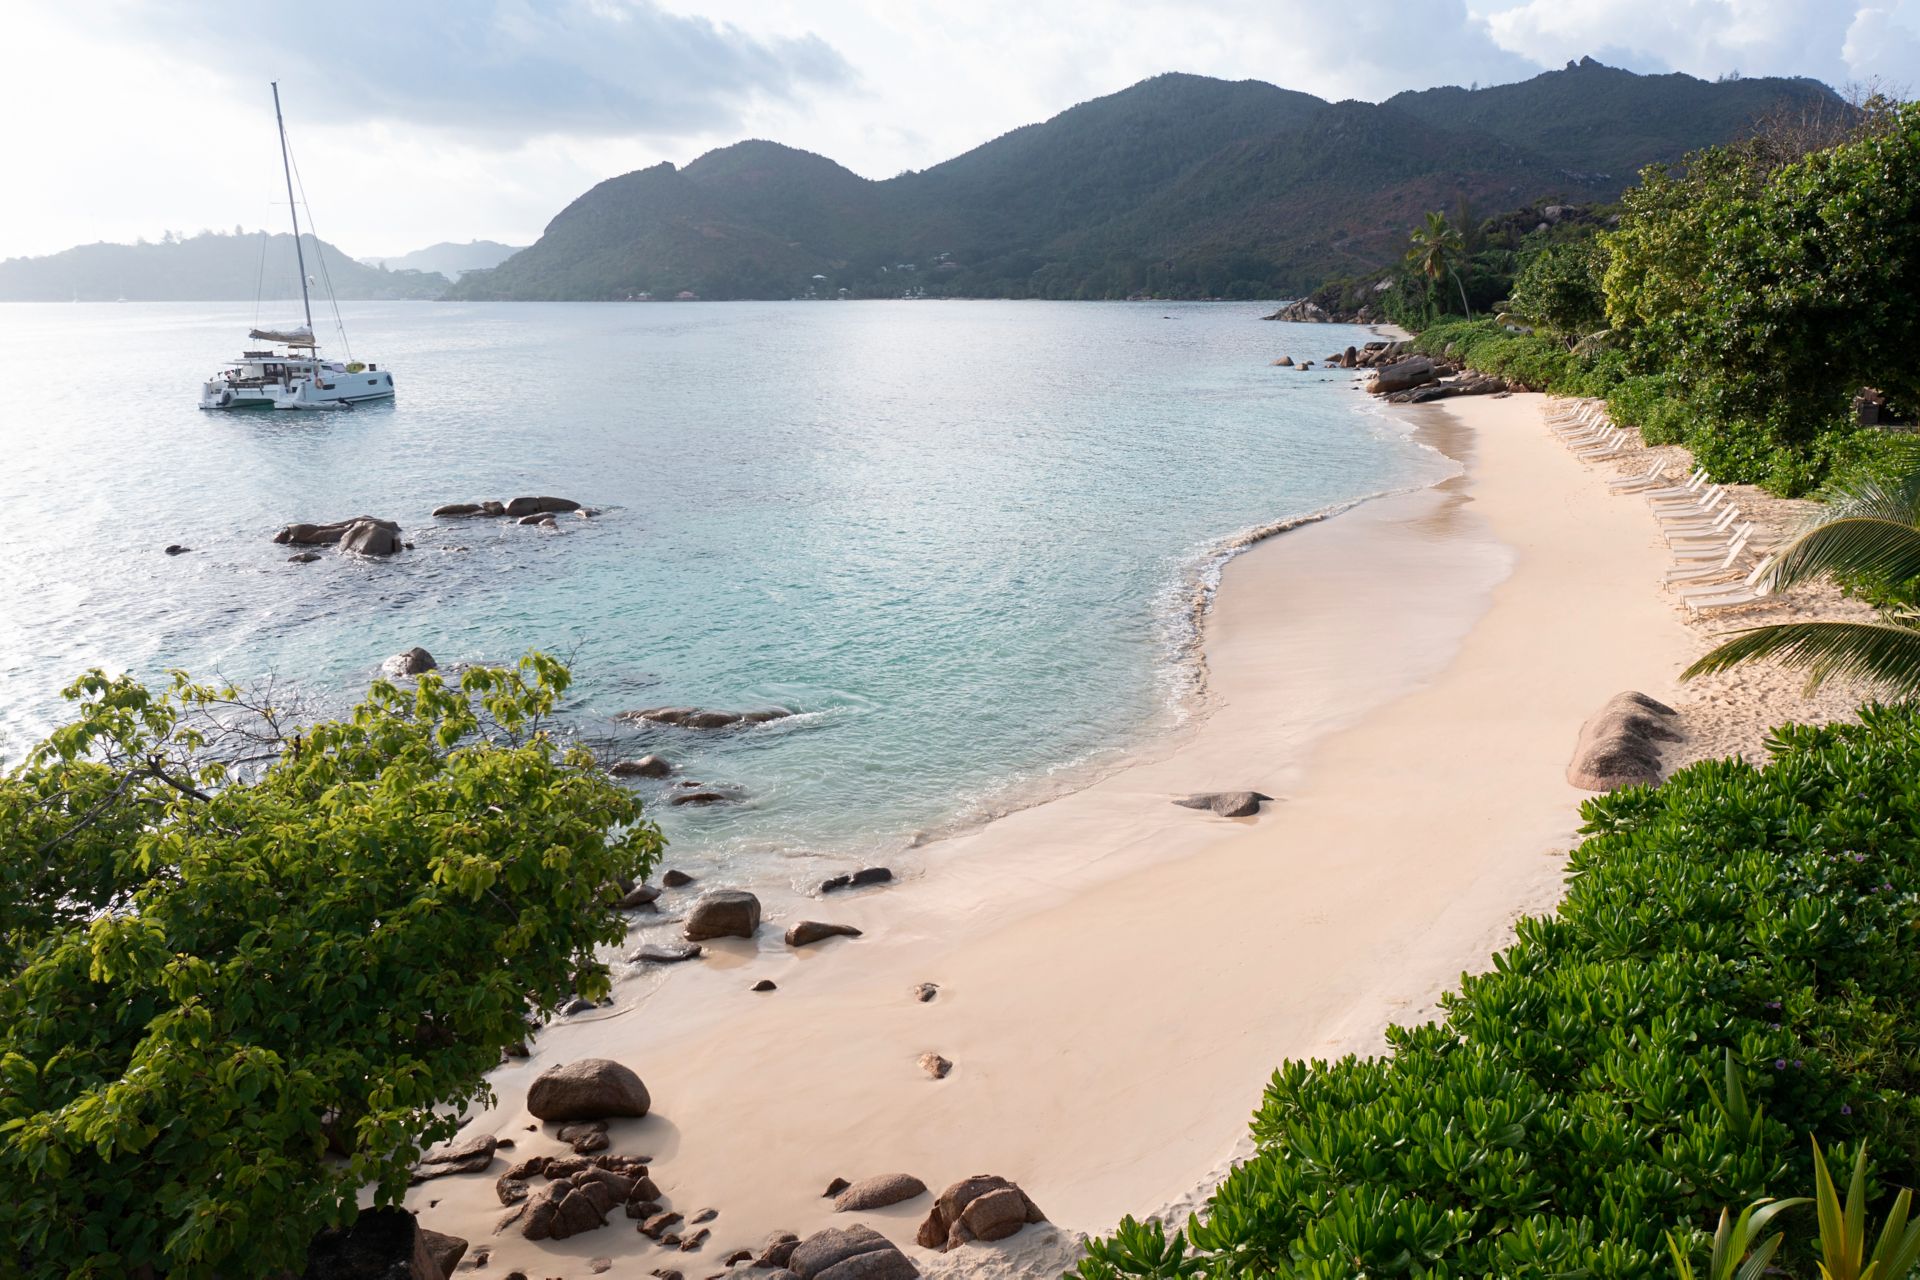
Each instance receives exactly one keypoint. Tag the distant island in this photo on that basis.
(1181, 186)
(449, 259)
(214, 266)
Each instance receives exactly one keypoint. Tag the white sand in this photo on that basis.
(1119, 976)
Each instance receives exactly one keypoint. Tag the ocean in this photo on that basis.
(962, 541)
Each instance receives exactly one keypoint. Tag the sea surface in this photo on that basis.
(962, 540)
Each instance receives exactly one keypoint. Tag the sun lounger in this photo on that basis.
(1626, 484)
(1608, 443)
(1749, 585)
(1694, 481)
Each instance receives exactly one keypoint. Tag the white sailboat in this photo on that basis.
(290, 373)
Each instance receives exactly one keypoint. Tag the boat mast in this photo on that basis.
(286, 167)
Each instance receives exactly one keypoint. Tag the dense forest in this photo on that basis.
(1181, 186)
(213, 266)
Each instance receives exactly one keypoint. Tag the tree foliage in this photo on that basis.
(229, 946)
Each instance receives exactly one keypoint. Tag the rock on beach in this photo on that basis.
(723, 913)
(587, 1089)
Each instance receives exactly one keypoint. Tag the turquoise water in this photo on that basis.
(961, 539)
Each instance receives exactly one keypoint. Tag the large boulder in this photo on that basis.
(382, 1244)
(372, 538)
(1402, 374)
(538, 506)
(723, 913)
(320, 535)
(850, 1253)
(587, 1089)
(878, 1192)
(983, 1207)
(1228, 804)
(1616, 747)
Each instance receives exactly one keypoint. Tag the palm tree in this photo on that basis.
(1436, 246)
(1866, 529)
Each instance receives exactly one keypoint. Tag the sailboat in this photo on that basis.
(290, 373)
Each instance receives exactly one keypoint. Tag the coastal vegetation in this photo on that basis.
(1740, 305)
(250, 966)
(1730, 974)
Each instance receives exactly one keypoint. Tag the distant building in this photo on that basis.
(686, 295)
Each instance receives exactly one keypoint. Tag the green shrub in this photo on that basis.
(211, 976)
(1567, 1113)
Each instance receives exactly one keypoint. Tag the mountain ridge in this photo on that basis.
(1180, 184)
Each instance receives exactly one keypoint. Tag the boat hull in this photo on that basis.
(343, 389)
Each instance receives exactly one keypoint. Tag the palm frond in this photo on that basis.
(1878, 652)
(1851, 543)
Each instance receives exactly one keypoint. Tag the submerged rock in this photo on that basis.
(665, 953)
(415, 661)
(644, 767)
(175, 549)
(856, 880)
(697, 718)
(319, 535)
(304, 557)
(518, 507)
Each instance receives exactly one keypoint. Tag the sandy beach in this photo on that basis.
(1118, 975)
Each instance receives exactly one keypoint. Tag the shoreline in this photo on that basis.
(1111, 1005)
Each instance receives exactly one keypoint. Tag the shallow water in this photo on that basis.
(962, 539)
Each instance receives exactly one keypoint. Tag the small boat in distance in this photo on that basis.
(297, 377)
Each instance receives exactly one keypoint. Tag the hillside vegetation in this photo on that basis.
(210, 267)
(1179, 186)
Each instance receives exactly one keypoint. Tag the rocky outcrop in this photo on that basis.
(372, 538)
(808, 932)
(382, 1244)
(850, 1253)
(1228, 804)
(469, 1156)
(578, 1193)
(857, 880)
(321, 535)
(697, 718)
(519, 507)
(644, 767)
(1305, 311)
(1616, 747)
(587, 1089)
(1402, 375)
(878, 1192)
(983, 1207)
(1467, 384)
(665, 953)
(415, 661)
(723, 913)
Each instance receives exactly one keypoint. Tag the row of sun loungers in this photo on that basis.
(1698, 519)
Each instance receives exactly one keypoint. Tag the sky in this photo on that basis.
(416, 121)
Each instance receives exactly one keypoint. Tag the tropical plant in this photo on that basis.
(1843, 1228)
(1867, 530)
(231, 944)
(1738, 1251)
(1435, 249)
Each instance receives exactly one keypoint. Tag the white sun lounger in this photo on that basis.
(1738, 536)
(1694, 481)
(1627, 484)
(1702, 535)
(1721, 567)
(1612, 440)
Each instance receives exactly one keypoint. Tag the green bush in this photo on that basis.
(1563, 1116)
(229, 945)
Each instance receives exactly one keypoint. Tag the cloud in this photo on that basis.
(505, 67)
(1880, 46)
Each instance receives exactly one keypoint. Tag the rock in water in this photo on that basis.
(458, 509)
(723, 913)
(858, 880)
(674, 878)
(175, 549)
(878, 1192)
(589, 1089)
(371, 538)
(318, 535)
(808, 932)
(665, 953)
(644, 767)
(415, 661)
(850, 1253)
(983, 1207)
(539, 506)
(1402, 374)
(641, 895)
(1228, 804)
(303, 557)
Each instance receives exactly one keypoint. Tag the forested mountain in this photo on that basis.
(210, 267)
(449, 259)
(1181, 185)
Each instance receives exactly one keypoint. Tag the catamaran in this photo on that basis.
(289, 373)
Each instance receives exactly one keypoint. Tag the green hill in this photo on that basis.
(1181, 184)
(209, 267)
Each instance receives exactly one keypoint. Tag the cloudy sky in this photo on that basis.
(422, 120)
